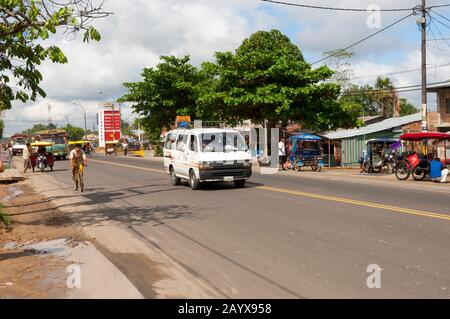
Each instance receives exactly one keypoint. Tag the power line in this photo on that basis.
(440, 22)
(362, 40)
(400, 89)
(398, 72)
(334, 8)
(439, 6)
(440, 15)
(439, 30)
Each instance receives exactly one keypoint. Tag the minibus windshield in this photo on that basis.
(223, 142)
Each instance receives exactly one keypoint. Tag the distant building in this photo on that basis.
(440, 120)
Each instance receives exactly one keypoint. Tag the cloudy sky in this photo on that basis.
(140, 31)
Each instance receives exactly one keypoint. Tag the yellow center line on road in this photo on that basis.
(357, 202)
(130, 166)
(312, 195)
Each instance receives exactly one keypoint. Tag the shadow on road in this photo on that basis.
(131, 216)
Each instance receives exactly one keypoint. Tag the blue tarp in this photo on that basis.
(305, 137)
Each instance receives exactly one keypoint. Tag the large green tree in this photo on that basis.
(267, 78)
(24, 27)
(74, 133)
(167, 90)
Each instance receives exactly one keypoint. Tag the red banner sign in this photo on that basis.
(112, 125)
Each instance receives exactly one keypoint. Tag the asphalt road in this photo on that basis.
(283, 236)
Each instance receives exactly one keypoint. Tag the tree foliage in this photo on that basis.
(24, 27)
(38, 128)
(406, 108)
(265, 79)
(74, 133)
(125, 128)
(167, 90)
(339, 61)
(379, 99)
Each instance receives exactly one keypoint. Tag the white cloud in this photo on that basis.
(134, 37)
(140, 31)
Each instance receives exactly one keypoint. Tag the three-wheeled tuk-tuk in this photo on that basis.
(42, 156)
(415, 160)
(306, 151)
(111, 148)
(379, 155)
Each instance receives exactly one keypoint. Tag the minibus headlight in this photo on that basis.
(247, 164)
(206, 165)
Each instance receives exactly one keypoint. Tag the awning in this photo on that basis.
(425, 136)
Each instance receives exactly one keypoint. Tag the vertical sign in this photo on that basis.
(108, 123)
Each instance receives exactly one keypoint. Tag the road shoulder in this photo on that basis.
(43, 254)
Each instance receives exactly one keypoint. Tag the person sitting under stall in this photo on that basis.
(438, 171)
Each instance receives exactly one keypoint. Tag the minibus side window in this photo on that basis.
(181, 142)
(170, 141)
(193, 143)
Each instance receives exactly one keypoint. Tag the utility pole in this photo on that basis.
(423, 22)
(49, 108)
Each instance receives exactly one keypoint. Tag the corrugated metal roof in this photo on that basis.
(376, 127)
(439, 86)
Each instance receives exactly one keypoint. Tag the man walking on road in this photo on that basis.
(282, 154)
(125, 148)
(26, 157)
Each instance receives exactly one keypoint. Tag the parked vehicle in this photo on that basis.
(415, 164)
(207, 155)
(379, 155)
(306, 151)
(41, 158)
(59, 139)
(19, 143)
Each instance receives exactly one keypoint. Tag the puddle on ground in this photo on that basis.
(57, 247)
(10, 245)
(14, 192)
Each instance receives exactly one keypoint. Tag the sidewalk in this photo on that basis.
(45, 253)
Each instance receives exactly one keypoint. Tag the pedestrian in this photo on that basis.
(363, 160)
(438, 171)
(26, 157)
(125, 148)
(282, 154)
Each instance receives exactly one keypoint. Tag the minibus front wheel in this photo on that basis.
(193, 182)
(173, 177)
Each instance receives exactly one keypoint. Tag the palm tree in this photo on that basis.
(386, 96)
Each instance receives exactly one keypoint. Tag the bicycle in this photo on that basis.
(91, 153)
(78, 177)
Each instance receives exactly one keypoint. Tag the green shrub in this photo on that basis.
(4, 217)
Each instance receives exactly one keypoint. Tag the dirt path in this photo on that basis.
(27, 273)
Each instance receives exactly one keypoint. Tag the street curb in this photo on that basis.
(102, 279)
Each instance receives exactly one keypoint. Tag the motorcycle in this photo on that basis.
(43, 158)
(41, 162)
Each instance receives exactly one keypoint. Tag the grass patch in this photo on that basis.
(4, 217)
